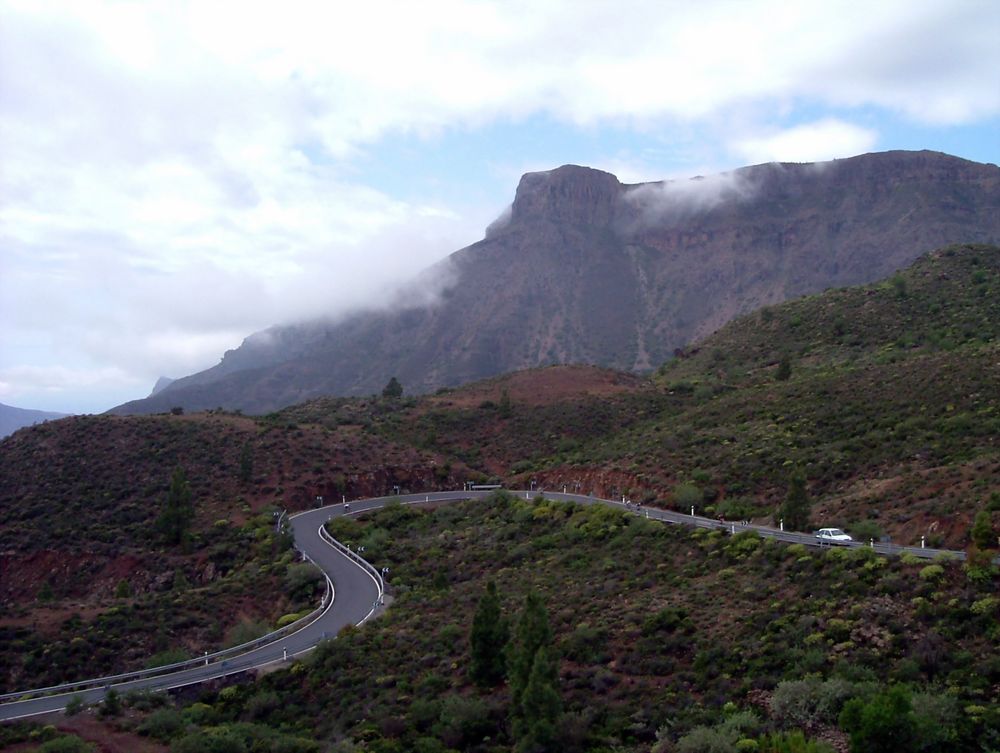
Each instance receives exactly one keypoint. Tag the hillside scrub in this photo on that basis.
(661, 637)
(890, 412)
(111, 525)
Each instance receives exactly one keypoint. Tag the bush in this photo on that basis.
(112, 704)
(687, 494)
(932, 573)
(244, 632)
(790, 742)
(885, 724)
(163, 724)
(66, 744)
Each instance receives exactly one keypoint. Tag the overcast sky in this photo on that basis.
(175, 176)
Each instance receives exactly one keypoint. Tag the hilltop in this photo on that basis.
(585, 269)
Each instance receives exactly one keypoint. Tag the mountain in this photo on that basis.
(161, 384)
(890, 407)
(586, 269)
(12, 419)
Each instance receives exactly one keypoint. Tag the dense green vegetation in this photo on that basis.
(150, 539)
(657, 638)
(876, 409)
(890, 408)
(175, 622)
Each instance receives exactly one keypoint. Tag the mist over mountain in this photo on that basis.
(585, 269)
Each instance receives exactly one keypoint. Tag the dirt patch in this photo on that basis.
(541, 386)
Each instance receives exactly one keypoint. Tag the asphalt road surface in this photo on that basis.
(357, 591)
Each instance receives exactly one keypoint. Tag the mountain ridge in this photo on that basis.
(588, 269)
(12, 419)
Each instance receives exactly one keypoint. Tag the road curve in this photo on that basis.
(356, 590)
(353, 583)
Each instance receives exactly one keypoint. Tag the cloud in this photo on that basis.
(674, 200)
(178, 174)
(810, 142)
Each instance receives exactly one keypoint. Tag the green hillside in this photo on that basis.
(885, 398)
(891, 409)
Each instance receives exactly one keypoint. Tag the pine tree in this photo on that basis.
(489, 636)
(505, 408)
(393, 389)
(535, 701)
(178, 510)
(982, 531)
(541, 705)
(246, 462)
(795, 510)
(532, 633)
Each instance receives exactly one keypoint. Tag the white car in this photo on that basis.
(833, 536)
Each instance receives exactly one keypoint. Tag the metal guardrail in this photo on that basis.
(212, 658)
(732, 528)
(652, 513)
(361, 561)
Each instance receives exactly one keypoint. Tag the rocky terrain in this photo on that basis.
(585, 269)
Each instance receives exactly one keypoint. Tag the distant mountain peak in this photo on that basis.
(12, 419)
(570, 193)
(585, 269)
(161, 384)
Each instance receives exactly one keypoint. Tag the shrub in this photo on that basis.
(986, 606)
(790, 742)
(66, 744)
(885, 724)
(687, 494)
(112, 704)
(163, 658)
(932, 573)
(981, 532)
(162, 724)
(244, 632)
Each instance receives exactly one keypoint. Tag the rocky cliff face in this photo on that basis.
(589, 270)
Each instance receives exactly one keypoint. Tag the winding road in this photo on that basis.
(354, 593)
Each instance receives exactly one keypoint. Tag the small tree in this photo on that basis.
(784, 370)
(112, 704)
(885, 724)
(687, 494)
(532, 633)
(504, 406)
(393, 389)
(246, 462)
(535, 726)
(981, 532)
(535, 702)
(795, 510)
(488, 639)
(178, 510)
